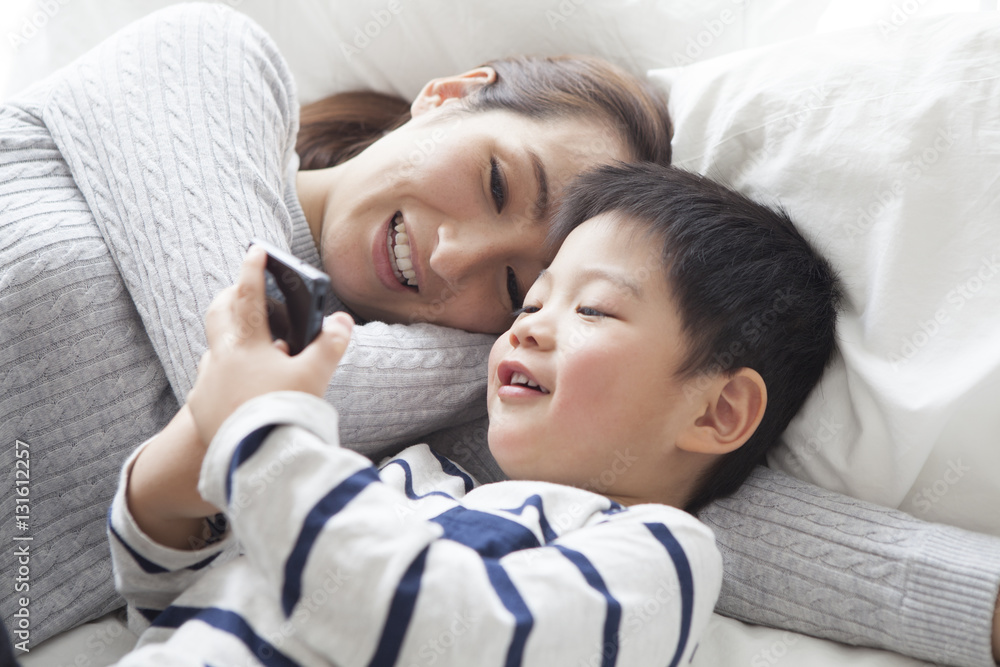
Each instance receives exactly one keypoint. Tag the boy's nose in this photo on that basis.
(532, 330)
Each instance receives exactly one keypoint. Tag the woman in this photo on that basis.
(135, 179)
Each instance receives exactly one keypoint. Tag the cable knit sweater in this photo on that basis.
(130, 184)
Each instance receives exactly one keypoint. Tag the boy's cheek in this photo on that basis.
(499, 350)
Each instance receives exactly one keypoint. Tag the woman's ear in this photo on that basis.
(438, 92)
(733, 408)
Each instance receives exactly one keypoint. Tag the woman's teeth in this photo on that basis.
(398, 244)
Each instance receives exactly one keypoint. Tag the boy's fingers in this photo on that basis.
(331, 343)
(219, 316)
(249, 307)
(203, 362)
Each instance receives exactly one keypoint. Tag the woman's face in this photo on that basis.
(444, 220)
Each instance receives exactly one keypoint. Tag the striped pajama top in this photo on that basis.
(326, 560)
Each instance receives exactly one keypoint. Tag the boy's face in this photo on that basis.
(601, 337)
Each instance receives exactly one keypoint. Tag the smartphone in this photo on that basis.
(298, 296)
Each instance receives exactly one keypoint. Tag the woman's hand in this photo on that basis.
(242, 362)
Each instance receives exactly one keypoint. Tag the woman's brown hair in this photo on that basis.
(336, 128)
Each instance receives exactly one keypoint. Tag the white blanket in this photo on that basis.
(726, 643)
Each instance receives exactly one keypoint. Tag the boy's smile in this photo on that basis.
(516, 381)
(585, 375)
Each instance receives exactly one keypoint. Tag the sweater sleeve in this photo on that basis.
(180, 133)
(636, 584)
(806, 559)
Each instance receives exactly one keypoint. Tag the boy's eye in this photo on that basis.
(498, 186)
(526, 310)
(590, 312)
(513, 290)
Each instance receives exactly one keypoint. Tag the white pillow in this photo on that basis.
(397, 45)
(885, 149)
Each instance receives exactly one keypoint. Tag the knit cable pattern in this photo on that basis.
(131, 183)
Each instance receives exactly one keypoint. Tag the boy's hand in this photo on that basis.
(242, 361)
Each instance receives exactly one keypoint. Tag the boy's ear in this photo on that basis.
(438, 92)
(733, 408)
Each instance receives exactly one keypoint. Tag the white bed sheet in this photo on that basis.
(726, 643)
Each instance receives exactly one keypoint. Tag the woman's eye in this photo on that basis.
(513, 290)
(590, 312)
(498, 187)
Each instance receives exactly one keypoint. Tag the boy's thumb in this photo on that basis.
(332, 341)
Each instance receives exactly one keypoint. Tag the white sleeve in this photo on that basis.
(148, 574)
(462, 585)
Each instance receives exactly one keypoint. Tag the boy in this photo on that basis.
(677, 331)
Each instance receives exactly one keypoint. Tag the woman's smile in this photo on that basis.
(397, 243)
(394, 257)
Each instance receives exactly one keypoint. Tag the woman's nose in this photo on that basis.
(459, 256)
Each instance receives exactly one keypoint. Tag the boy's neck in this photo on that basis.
(674, 499)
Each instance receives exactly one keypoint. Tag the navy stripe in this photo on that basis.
(312, 526)
(149, 614)
(613, 616)
(246, 448)
(684, 580)
(614, 508)
(450, 468)
(408, 481)
(230, 622)
(489, 535)
(400, 613)
(536, 502)
(203, 563)
(512, 600)
(147, 565)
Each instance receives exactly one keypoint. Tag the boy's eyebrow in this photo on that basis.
(618, 278)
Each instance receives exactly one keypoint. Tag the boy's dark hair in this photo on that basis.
(751, 291)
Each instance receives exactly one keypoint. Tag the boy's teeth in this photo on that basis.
(521, 378)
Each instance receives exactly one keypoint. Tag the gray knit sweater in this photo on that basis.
(130, 184)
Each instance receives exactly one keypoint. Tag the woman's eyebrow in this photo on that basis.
(541, 178)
